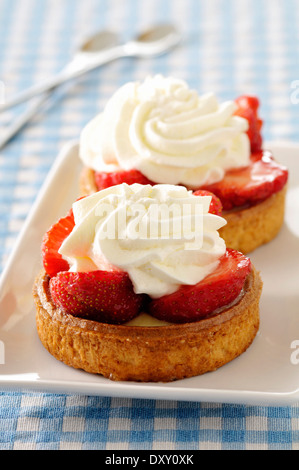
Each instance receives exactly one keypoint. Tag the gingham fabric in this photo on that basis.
(231, 47)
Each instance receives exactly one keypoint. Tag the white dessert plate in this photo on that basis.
(267, 373)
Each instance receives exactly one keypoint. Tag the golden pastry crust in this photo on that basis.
(87, 183)
(246, 229)
(148, 354)
(254, 226)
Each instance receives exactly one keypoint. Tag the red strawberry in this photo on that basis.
(105, 180)
(248, 109)
(215, 205)
(52, 240)
(251, 184)
(105, 296)
(192, 303)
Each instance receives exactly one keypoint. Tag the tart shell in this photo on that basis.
(246, 229)
(148, 354)
(87, 182)
(249, 228)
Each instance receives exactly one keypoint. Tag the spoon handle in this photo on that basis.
(75, 69)
(23, 119)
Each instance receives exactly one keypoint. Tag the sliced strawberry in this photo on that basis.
(105, 180)
(52, 240)
(251, 184)
(248, 108)
(219, 289)
(105, 296)
(215, 205)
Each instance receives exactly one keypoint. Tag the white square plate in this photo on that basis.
(267, 373)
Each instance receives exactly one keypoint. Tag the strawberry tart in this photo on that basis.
(161, 132)
(137, 284)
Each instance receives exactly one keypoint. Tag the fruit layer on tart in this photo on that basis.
(132, 249)
(160, 131)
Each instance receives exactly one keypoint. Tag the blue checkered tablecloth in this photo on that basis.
(231, 47)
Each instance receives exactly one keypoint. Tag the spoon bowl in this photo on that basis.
(99, 49)
(154, 41)
(97, 42)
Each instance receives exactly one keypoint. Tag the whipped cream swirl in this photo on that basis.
(168, 132)
(157, 261)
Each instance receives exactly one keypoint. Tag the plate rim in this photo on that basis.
(129, 389)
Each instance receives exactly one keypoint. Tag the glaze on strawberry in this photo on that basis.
(52, 260)
(192, 303)
(104, 296)
(248, 108)
(252, 184)
(215, 205)
(104, 180)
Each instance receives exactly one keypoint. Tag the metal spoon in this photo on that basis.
(95, 51)
(155, 41)
(87, 51)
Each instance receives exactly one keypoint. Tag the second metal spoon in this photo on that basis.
(155, 41)
(88, 49)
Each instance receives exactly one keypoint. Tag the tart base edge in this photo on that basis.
(148, 354)
(255, 226)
